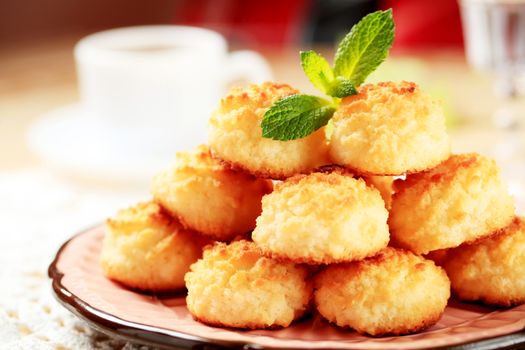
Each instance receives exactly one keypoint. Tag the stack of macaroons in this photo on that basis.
(320, 224)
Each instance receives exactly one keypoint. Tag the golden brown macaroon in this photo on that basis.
(461, 200)
(208, 196)
(236, 135)
(236, 286)
(384, 185)
(395, 292)
(146, 249)
(491, 270)
(389, 129)
(322, 218)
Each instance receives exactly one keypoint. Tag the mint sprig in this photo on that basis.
(366, 46)
(295, 117)
(360, 52)
(317, 69)
(341, 87)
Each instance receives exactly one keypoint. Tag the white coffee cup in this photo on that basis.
(153, 88)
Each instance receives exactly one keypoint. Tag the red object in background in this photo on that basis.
(280, 23)
(250, 23)
(426, 23)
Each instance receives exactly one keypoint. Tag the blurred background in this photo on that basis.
(37, 68)
(469, 55)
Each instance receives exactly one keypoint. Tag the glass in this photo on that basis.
(494, 33)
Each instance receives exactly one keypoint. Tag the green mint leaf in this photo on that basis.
(295, 117)
(366, 46)
(341, 87)
(317, 69)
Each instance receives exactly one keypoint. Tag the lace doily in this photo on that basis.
(38, 212)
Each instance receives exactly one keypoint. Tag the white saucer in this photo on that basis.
(78, 145)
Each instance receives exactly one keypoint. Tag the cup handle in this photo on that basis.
(247, 66)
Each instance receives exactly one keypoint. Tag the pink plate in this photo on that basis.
(81, 287)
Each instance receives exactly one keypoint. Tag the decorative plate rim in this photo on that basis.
(167, 338)
(106, 322)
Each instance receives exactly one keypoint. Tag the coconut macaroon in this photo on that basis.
(209, 197)
(461, 200)
(322, 218)
(395, 292)
(236, 286)
(491, 270)
(236, 135)
(389, 129)
(146, 249)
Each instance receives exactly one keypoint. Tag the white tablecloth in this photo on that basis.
(38, 212)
